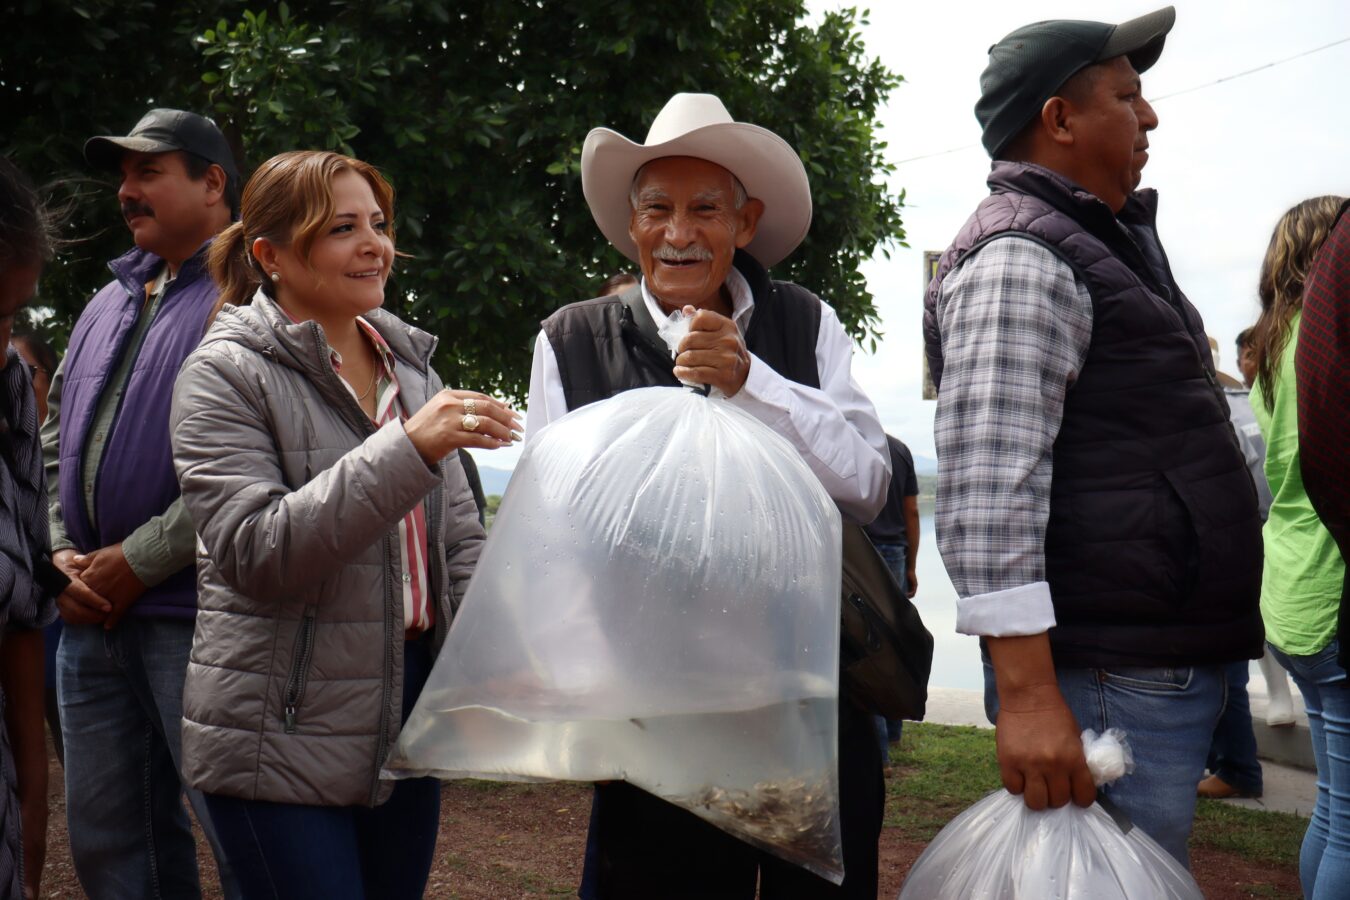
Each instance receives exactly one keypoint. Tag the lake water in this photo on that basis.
(956, 657)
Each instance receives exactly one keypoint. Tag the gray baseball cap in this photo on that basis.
(161, 131)
(1030, 64)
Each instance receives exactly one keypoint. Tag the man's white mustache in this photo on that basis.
(668, 253)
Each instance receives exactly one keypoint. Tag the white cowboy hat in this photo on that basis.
(698, 125)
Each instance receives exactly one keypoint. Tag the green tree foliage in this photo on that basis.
(476, 111)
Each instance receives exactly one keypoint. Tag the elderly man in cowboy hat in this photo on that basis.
(704, 207)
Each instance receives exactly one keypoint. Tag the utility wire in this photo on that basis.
(938, 153)
(1269, 65)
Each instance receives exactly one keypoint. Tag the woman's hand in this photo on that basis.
(452, 419)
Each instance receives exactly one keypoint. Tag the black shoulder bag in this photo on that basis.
(885, 652)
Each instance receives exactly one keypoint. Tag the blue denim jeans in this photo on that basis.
(1232, 753)
(1324, 862)
(121, 698)
(1168, 716)
(889, 730)
(51, 639)
(288, 851)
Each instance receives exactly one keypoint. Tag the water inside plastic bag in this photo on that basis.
(657, 602)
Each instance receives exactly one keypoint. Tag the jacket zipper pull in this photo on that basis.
(290, 718)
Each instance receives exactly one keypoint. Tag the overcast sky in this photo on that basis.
(1228, 159)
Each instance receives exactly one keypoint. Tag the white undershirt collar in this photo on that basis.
(742, 301)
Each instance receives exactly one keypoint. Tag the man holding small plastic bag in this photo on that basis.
(705, 206)
(1093, 507)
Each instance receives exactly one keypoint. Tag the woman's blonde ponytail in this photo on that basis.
(236, 277)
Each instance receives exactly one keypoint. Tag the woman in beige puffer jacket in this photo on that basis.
(315, 448)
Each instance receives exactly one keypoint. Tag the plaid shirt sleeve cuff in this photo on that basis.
(1014, 612)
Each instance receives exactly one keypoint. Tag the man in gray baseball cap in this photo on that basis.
(163, 131)
(118, 527)
(1093, 508)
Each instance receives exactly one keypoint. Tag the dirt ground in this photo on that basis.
(517, 841)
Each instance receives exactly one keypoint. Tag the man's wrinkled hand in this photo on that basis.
(108, 573)
(1040, 749)
(713, 352)
(911, 583)
(78, 603)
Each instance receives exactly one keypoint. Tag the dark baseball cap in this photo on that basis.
(1028, 66)
(162, 131)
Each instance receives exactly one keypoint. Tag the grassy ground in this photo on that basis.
(506, 841)
(1264, 837)
(942, 769)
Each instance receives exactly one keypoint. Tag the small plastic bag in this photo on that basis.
(1000, 850)
(657, 602)
(672, 330)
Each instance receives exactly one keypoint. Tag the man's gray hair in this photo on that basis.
(738, 198)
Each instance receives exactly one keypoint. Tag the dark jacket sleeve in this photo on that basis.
(1322, 365)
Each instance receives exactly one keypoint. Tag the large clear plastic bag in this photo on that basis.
(657, 602)
(1000, 850)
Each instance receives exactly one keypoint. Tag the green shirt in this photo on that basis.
(1304, 572)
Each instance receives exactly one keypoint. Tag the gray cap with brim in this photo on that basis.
(1030, 64)
(163, 131)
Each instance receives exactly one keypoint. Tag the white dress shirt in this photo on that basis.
(834, 428)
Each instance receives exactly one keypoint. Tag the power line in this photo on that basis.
(1188, 90)
(938, 153)
(1268, 65)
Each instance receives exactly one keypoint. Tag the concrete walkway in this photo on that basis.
(1287, 789)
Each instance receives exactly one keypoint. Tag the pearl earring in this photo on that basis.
(276, 276)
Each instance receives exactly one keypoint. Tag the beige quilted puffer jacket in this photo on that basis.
(294, 686)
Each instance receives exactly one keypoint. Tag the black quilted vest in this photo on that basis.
(1153, 551)
(601, 350)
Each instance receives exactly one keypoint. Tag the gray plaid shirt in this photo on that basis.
(1015, 325)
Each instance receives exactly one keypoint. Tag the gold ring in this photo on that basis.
(470, 406)
(469, 422)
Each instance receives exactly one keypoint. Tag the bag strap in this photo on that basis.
(642, 317)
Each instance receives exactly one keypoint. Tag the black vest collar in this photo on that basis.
(1132, 234)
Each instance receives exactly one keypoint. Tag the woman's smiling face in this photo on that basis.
(349, 261)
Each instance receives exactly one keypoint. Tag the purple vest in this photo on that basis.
(136, 479)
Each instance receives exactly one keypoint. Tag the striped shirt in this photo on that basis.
(418, 611)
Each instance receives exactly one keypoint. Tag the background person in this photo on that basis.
(42, 361)
(317, 453)
(1304, 572)
(26, 590)
(119, 531)
(1280, 706)
(617, 284)
(895, 533)
(1323, 365)
(1235, 770)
